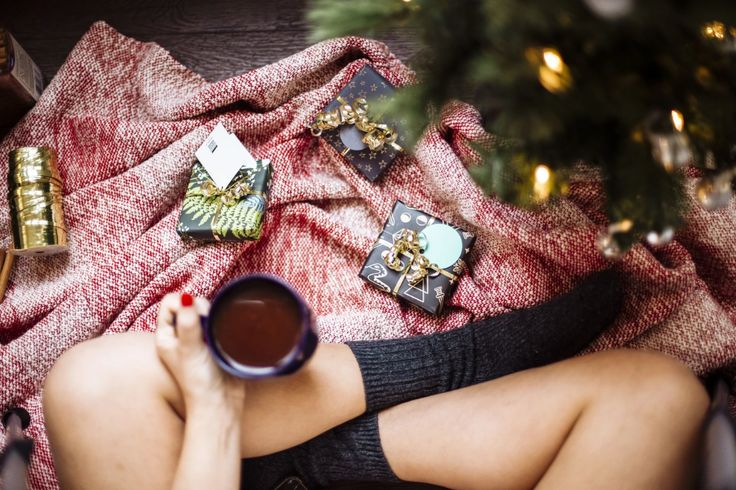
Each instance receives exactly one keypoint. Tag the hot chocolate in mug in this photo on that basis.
(259, 326)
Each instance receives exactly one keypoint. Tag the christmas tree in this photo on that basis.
(639, 90)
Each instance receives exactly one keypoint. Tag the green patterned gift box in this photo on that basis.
(232, 214)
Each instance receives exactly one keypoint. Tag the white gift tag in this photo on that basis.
(222, 155)
(237, 151)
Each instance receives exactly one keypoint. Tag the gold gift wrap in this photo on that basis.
(34, 194)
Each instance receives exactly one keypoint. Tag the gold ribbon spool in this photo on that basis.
(34, 194)
(377, 134)
(406, 244)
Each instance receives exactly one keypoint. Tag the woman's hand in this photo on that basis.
(186, 356)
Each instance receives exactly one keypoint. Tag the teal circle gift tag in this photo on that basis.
(442, 244)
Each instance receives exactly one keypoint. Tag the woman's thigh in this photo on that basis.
(619, 419)
(115, 416)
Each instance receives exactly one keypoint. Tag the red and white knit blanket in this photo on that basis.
(126, 119)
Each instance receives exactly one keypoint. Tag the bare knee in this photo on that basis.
(652, 385)
(96, 373)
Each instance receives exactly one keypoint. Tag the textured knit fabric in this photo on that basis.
(351, 451)
(395, 371)
(126, 119)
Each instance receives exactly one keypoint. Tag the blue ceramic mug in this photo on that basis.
(259, 326)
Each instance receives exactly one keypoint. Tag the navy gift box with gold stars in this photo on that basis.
(349, 123)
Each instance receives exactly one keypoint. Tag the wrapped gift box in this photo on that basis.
(363, 92)
(233, 214)
(418, 257)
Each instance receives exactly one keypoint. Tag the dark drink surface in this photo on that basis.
(257, 324)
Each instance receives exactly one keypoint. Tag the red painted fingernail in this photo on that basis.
(187, 299)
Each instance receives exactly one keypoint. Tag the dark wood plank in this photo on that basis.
(144, 17)
(216, 38)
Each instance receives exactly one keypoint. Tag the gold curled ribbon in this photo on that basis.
(227, 197)
(406, 244)
(377, 135)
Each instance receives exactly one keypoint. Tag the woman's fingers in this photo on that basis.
(165, 333)
(179, 320)
(188, 327)
(167, 310)
(172, 313)
(202, 306)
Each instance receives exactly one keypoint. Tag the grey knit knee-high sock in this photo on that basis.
(399, 370)
(351, 451)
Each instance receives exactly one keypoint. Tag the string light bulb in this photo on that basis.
(542, 174)
(670, 144)
(552, 72)
(553, 60)
(678, 121)
(714, 30)
(542, 182)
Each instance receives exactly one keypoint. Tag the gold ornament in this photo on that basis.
(714, 192)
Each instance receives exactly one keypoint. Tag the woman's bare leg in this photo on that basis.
(619, 418)
(115, 415)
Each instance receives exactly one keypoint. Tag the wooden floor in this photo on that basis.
(216, 38)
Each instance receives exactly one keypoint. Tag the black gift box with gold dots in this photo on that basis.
(366, 139)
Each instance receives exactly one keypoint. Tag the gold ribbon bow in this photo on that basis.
(376, 136)
(407, 244)
(227, 197)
